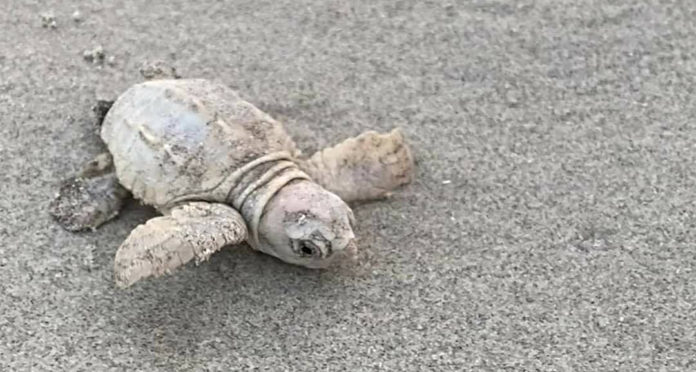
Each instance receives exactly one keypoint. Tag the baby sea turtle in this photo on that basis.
(222, 172)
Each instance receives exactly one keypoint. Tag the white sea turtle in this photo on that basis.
(222, 172)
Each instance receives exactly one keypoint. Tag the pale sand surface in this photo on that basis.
(551, 226)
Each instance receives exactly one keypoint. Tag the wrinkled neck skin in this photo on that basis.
(289, 216)
(257, 185)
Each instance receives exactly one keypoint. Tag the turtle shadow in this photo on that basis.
(237, 294)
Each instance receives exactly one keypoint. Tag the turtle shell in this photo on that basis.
(177, 140)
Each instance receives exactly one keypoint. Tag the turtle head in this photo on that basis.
(306, 225)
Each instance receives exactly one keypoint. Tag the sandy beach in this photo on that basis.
(550, 227)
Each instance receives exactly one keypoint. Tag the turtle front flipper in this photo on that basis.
(363, 168)
(194, 230)
(89, 199)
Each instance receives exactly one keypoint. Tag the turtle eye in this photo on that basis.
(306, 248)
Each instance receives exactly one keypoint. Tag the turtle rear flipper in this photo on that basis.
(100, 108)
(89, 199)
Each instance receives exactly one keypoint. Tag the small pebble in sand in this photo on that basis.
(77, 16)
(48, 20)
(95, 55)
(88, 257)
(111, 61)
(157, 69)
(446, 182)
